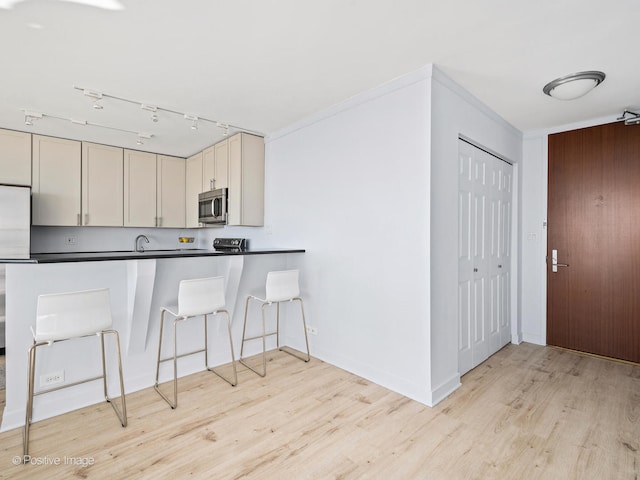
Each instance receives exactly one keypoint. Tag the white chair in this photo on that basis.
(281, 287)
(63, 316)
(197, 297)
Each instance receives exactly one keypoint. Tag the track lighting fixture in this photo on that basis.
(633, 118)
(141, 136)
(194, 119)
(151, 108)
(30, 117)
(224, 127)
(96, 96)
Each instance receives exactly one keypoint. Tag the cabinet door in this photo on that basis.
(246, 180)
(15, 157)
(192, 189)
(208, 168)
(102, 184)
(139, 189)
(221, 170)
(215, 166)
(171, 192)
(56, 181)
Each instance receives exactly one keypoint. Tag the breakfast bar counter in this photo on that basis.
(140, 283)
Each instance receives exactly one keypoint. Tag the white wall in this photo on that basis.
(351, 185)
(456, 112)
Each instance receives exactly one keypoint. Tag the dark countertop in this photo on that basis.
(130, 255)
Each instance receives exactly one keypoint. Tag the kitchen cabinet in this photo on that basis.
(246, 180)
(215, 166)
(170, 205)
(193, 187)
(140, 189)
(15, 157)
(102, 185)
(154, 190)
(56, 181)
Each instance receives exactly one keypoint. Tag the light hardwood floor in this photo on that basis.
(529, 412)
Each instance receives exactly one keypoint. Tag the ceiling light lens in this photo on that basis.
(574, 86)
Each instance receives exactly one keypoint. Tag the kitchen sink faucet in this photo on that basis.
(137, 247)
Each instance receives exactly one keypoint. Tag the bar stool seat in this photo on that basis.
(196, 297)
(281, 286)
(64, 316)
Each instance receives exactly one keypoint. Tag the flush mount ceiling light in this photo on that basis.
(574, 86)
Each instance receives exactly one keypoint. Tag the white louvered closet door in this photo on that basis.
(484, 216)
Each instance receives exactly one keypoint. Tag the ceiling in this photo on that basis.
(262, 65)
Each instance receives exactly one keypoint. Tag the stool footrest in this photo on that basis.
(181, 355)
(259, 336)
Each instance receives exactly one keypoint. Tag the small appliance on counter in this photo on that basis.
(212, 207)
(231, 244)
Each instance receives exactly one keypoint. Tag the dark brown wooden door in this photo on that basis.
(593, 305)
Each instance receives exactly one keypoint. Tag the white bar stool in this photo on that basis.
(281, 287)
(197, 297)
(63, 316)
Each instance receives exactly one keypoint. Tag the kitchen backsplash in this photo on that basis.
(97, 239)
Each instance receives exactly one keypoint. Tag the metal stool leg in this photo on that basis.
(292, 352)
(30, 388)
(233, 382)
(174, 403)
(245, 339)
(121, 414)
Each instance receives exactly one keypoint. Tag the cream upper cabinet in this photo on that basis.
(193, 186)
(170, 192)
(222, 164)
(56, 181)
(215, 166)
(246, 180)
(15, 157)
(102, 185)
(139, 189)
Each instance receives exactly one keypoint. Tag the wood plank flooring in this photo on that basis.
(529, 412)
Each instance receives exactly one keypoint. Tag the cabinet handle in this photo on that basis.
(79, 219)
(212, 184)
(86, 219)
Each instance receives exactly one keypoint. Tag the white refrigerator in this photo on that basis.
(15, 222)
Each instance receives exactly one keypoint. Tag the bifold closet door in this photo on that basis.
(484, 255)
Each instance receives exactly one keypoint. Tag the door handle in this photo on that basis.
(554, 262)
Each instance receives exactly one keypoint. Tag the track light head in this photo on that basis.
(30, 117)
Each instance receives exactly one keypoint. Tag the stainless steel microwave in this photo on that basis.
(212, 206)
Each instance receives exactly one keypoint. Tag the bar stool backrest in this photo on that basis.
(282, 286)
(200, 296)
(73, 314)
